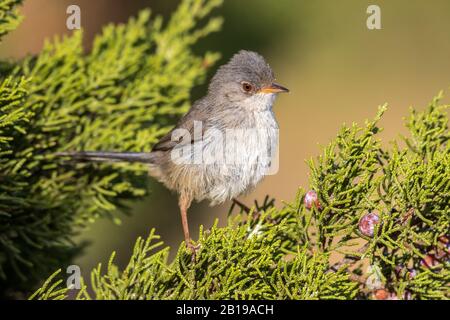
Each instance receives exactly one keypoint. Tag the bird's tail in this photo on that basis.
(142, 157)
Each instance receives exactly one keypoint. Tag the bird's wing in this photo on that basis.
(186, 122)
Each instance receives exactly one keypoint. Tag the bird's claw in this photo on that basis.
(194, 249)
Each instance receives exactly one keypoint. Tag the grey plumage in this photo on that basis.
(239, 100)
(142, 157)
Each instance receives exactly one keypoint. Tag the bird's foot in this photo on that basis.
(194, 249)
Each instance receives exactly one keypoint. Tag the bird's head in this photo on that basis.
(246, 80)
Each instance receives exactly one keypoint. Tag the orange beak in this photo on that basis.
(273, 88)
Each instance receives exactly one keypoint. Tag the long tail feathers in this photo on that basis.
(142, 157)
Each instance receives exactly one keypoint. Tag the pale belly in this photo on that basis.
(236, 164)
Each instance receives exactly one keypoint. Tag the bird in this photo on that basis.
(223, 146)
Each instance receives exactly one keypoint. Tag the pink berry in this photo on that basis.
(311, 200)
(367, 224)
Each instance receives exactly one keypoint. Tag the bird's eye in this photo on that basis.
(247, 87)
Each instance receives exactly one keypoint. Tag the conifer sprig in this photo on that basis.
(123, 95)
(383, 213)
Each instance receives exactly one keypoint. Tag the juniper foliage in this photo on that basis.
(123, 95)
(9, 16)
(286, 253)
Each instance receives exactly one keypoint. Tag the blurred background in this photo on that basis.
(338, 72)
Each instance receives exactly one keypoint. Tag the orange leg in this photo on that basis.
(184, 204)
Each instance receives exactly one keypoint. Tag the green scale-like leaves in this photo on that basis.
(122, 96)
(126, 93)
(287, 253)
(9, 16)
(230, 265)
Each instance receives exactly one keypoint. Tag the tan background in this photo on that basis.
(338, 71)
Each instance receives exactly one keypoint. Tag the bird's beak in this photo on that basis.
(273, 88)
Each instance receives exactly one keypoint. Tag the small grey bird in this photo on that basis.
(223, 146)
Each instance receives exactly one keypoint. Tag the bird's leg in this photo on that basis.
(184, 204)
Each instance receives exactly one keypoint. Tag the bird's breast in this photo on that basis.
(236, 158)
